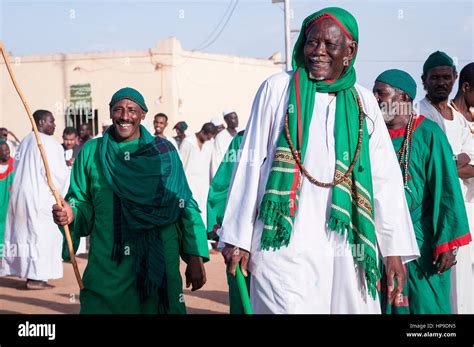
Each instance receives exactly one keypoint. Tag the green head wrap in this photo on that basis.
(130, 94)
(347, 23)
(399, 79)
(438, 59)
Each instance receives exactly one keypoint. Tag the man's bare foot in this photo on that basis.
(37, 285)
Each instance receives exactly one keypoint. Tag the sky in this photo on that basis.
(393, 34)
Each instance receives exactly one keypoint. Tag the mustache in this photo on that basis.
(319, 60)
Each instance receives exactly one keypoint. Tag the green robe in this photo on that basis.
(6, 180)
(216, 201)
(438, 215)
(217, 197)
(108, 286)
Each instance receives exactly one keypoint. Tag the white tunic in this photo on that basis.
(460, 138)
(316, 273)
(196, 163)
(469, 199)
(33, 242)
(221, 144)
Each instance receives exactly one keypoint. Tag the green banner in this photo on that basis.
(81, 96)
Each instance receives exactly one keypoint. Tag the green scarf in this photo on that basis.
(150, 191)
(352, 201)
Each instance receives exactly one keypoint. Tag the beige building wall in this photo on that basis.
(189, 86)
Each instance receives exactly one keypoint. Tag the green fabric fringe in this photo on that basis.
(272, 213)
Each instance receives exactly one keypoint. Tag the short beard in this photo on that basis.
(437, 100)
(387, 117)
(315, 78)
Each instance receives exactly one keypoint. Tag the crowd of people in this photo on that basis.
(334, 199)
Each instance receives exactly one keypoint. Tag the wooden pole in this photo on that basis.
(45, 162)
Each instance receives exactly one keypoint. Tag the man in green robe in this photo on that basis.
(129, 193)
(6, 180)
(433, 195)
(216, 201)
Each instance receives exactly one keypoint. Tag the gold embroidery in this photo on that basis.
(360, 200)
(284, 157)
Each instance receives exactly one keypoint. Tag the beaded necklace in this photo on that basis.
(296, 154)
(404, 152)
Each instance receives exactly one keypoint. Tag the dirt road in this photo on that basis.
(64, 298)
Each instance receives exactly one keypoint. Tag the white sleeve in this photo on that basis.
(242, 201)
(393, 225)
(215, 162)
(467, 141)
(185, 153)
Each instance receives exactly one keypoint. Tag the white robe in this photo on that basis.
(469, 199)
(196, 163)
(33, 242)
(460, 138)
(221, 144)
(316, 273)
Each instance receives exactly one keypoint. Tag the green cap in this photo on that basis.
(399, 79)
(438, 58)
(130, 94)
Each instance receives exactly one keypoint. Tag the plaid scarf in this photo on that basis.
(150, 191)
(352, 211)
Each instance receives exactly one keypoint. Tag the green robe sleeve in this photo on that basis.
(450, 225)
(79, 197)
(193, 233)
(217, 196)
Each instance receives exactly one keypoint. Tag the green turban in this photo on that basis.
(130, 94)
(438, 59)
(399, 79)
(343, 19)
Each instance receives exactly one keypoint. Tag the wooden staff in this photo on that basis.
(45, 162)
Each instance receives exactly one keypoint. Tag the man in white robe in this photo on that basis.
(316, 272)
(223, 139)
(195, 152)
(160, 122)
(439, 75)
(33, 242)
(463, 102)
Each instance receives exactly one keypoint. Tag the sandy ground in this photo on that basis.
(64, 298)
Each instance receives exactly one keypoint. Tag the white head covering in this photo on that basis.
(227, 111)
